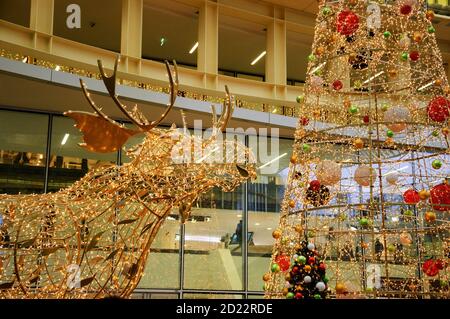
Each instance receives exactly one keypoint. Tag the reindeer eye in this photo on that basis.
(242, 171)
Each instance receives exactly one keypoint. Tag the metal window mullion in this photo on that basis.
(48, 151)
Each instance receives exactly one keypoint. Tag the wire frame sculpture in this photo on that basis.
(368, 182)
(93, 239)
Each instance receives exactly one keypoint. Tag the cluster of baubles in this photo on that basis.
(347, 23)
(438, 196)
(306, 278)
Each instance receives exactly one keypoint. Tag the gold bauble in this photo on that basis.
(340, 288)
(298, 228)
(430, 15)
(307, 268)
(276, 234)
(287, 277)
(358, 143)
(285, 291)
(438, 82)
(417, 36)
(316, 113)
(347, 103)
(424, 194)
(393, 72)
(294, 159)
(266, 277)
(291, 203)
(445, 131)
(390, 141)
(320, 50)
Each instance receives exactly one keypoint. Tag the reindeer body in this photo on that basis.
(92, 239)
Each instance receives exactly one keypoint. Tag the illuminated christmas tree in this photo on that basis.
(368, 180)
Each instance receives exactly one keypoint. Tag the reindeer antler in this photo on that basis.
(227, 110)
(137, 118)
(102, 134)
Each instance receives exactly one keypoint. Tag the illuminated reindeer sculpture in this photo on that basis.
(92, 239)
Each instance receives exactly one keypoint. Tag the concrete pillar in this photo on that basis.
(276, 66)
(41, 16)
(131, 36)
(208, 38)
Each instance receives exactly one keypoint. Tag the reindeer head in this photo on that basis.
(168, 160)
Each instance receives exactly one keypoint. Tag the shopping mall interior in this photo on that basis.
(258, 48)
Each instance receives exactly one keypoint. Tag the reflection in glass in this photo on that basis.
(265, 196)
(23, 140)
(69, 161)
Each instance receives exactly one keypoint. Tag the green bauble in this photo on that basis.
(353, 109)
(317, 296)
(389, 133)
(408, 213)
(275, 268)
(302, 260)
(311, 57)
(431, 29)
(300, 98)
(290, 295)
(391, 248)
(325, 279)
(384, 107)
(326, 11)
(437, 164)
(364, 222)
(306, 148)
(435, 133)
(311, 234)
(387, 34)
(404, 56)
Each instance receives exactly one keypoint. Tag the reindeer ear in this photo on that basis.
(100, 135)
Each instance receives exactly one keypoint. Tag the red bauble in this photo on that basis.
(304, 121)
(440, 197)
(406, 9)
(347, 22)
(314, 185)
(366, 119)
(411, 196)
(414, 56)
(438, 109)
(298, 295)
(283, 261)
(430, 268)
(337, 85)
(311, 260)
(295, 270)
(440, 264)
(322, 266)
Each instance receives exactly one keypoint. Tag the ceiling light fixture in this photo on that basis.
(65, 138)
(259, 57)
(57, 68)
(208, 155)
(373, 77)
(274, 160)
(317, 68)
(425, 86)
(194, 48)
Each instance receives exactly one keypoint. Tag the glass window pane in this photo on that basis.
(163, 23)
(16, 11)
(23, 142)
(163, 264)
(69, 161)
(213, 240)
(265, 197)
(247, 38)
